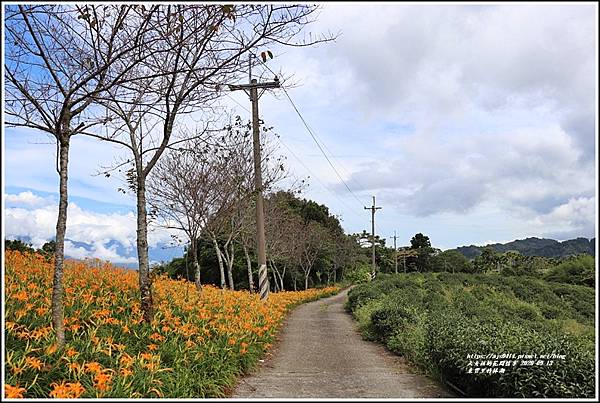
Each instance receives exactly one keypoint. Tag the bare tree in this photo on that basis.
(199, 48)
(345, 251)
(310, 242)
(236, 213)
(183, 190)
(247, 240)
(58, 58)
(236, 191)
(283, 230)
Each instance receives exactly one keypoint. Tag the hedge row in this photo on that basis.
(437, 320)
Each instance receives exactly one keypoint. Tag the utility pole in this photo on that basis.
(395, 254)
(252, 91)
(373, 209)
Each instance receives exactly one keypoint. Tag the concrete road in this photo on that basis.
(320, 354)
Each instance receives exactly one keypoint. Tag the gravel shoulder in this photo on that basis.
(320, 354)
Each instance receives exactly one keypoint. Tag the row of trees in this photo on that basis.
(306, 246)
(129, 74)
(420, 256)
(48, 248)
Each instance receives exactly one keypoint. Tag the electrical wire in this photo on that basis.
(319, 146)
(314, 136)
(301, 162)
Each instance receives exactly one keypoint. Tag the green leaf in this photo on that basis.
(270, 54)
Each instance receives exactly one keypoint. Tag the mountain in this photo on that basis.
(537, 247)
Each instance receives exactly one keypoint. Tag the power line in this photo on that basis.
(316, 177)
(319, 146)
(234, 100)
(301, 162)
(314, 137)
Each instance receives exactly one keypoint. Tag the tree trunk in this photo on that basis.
(196, 265)
(229, 260)
(275, 282)
(220, 260)
(147, 303)
(306, 281)
(281, 277)
(187, 272)
(249, 264)
(295, 288)
(59, 253)
(277, 276)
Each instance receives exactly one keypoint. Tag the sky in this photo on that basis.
(471, 124)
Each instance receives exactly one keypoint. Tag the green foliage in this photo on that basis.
(16, 244)
(420, 241)
(436, 319)
(451, 261)
(487, 261)
(48, 249)
(536, 247)
(339, 256)
(579, 270)
(359, 273)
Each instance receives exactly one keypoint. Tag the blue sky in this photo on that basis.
(471, 124)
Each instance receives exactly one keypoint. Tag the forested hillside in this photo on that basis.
(537, 247)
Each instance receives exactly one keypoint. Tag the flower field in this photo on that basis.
(196, 346)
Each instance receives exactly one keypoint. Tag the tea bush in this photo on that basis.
(436, 320)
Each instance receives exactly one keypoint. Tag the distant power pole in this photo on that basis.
(373, 209)
(251, 90)
(395, 254)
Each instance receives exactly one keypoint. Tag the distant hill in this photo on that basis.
(537, 247)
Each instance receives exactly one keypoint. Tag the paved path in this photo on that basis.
(320, 354)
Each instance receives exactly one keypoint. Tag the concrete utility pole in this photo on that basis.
(373, 209)
(395, 254)
(252, 91)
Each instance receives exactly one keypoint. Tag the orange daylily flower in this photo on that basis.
(102, 306)
(34, 363)
(13, 392)
(66, 390)
(102, 381)
(93, 367)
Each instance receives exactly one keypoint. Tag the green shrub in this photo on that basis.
(579, 270)
(437, 319)
(363, 315)
(361, 273)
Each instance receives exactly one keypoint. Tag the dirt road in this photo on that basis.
(320, 354)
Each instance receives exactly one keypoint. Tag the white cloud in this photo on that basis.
(94, 229)
(491, 242)
(27, 198)
(445, 109)
(431, 60)
(575, 216)
(98, 251)
(535, 168)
